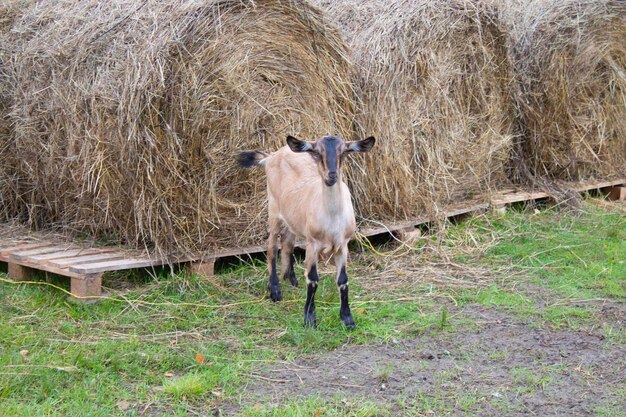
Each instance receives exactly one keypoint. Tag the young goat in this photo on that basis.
(307, 199)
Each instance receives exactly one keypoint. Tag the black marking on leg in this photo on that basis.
(344, 310)
(309, 306)
(342, 279)
(290, 273)
(275, 294)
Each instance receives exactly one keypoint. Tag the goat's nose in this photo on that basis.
(332, 176)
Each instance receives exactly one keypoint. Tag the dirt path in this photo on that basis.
(499, 366)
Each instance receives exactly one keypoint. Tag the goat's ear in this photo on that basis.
(298, 145)
(361, 145)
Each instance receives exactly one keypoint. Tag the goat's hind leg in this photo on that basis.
(341, 259)
(287, 242)
(272, 253)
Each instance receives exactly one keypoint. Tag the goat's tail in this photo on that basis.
(250, 159)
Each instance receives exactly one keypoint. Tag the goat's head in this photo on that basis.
(328, 153)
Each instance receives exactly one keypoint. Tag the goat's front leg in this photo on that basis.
(341, 259)
(312, 279)
(272, 253)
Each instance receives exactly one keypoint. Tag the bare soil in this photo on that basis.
(504, 365)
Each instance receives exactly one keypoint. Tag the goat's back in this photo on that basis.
(291, 175)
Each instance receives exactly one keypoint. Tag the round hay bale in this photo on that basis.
(434, 80)
(129, 114)
(570, 59)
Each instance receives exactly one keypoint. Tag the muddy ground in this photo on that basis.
(495, 365)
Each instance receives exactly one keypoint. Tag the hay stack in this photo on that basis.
(9, 11)
(129, 114)
(434, 81)
(570, 59)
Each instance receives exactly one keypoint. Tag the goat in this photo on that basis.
(307, 199)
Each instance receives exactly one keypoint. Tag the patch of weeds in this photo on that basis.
(442, 403)
(383, 372)
(530, 381)
(189, 385)
(614, 334)
(426, 404)
(499, 355)
(610, 410)
(443, 321)
(468, 401)
(318, 407)
(502, 402)
(572, 317)
(496, 296)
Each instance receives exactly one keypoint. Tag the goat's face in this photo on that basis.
(328, 153)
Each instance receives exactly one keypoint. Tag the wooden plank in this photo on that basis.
(67, 254)
(466, 210)
(586, 186)
(116, 265)
(8, 244)
(501, 200)
(394, 227)
(8, 251)
(48, 268)
(85, 259)
(238, 251)
(21, 255)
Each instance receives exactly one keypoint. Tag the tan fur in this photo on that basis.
(309, 209)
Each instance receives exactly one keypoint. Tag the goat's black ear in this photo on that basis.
(298, 145)
(361, 145)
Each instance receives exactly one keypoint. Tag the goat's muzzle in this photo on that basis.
(332, 179)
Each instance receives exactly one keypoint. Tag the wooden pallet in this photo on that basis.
(85, 266)
(609, 188)
(404, 230)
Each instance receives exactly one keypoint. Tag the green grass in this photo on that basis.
(183, 344)
(566, 262)
(85, 359)
(576, 256)
(529, 381)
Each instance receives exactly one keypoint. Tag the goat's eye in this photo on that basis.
(315, 156)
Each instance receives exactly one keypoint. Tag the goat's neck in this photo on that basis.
(332, 198)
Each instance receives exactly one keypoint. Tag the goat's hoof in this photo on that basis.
(294, 281)
(275, 294)
(348, 321)
(310, 321)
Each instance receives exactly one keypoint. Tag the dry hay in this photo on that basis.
(9, 11)
(129, 114)
(434, 81)
(570, 58)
